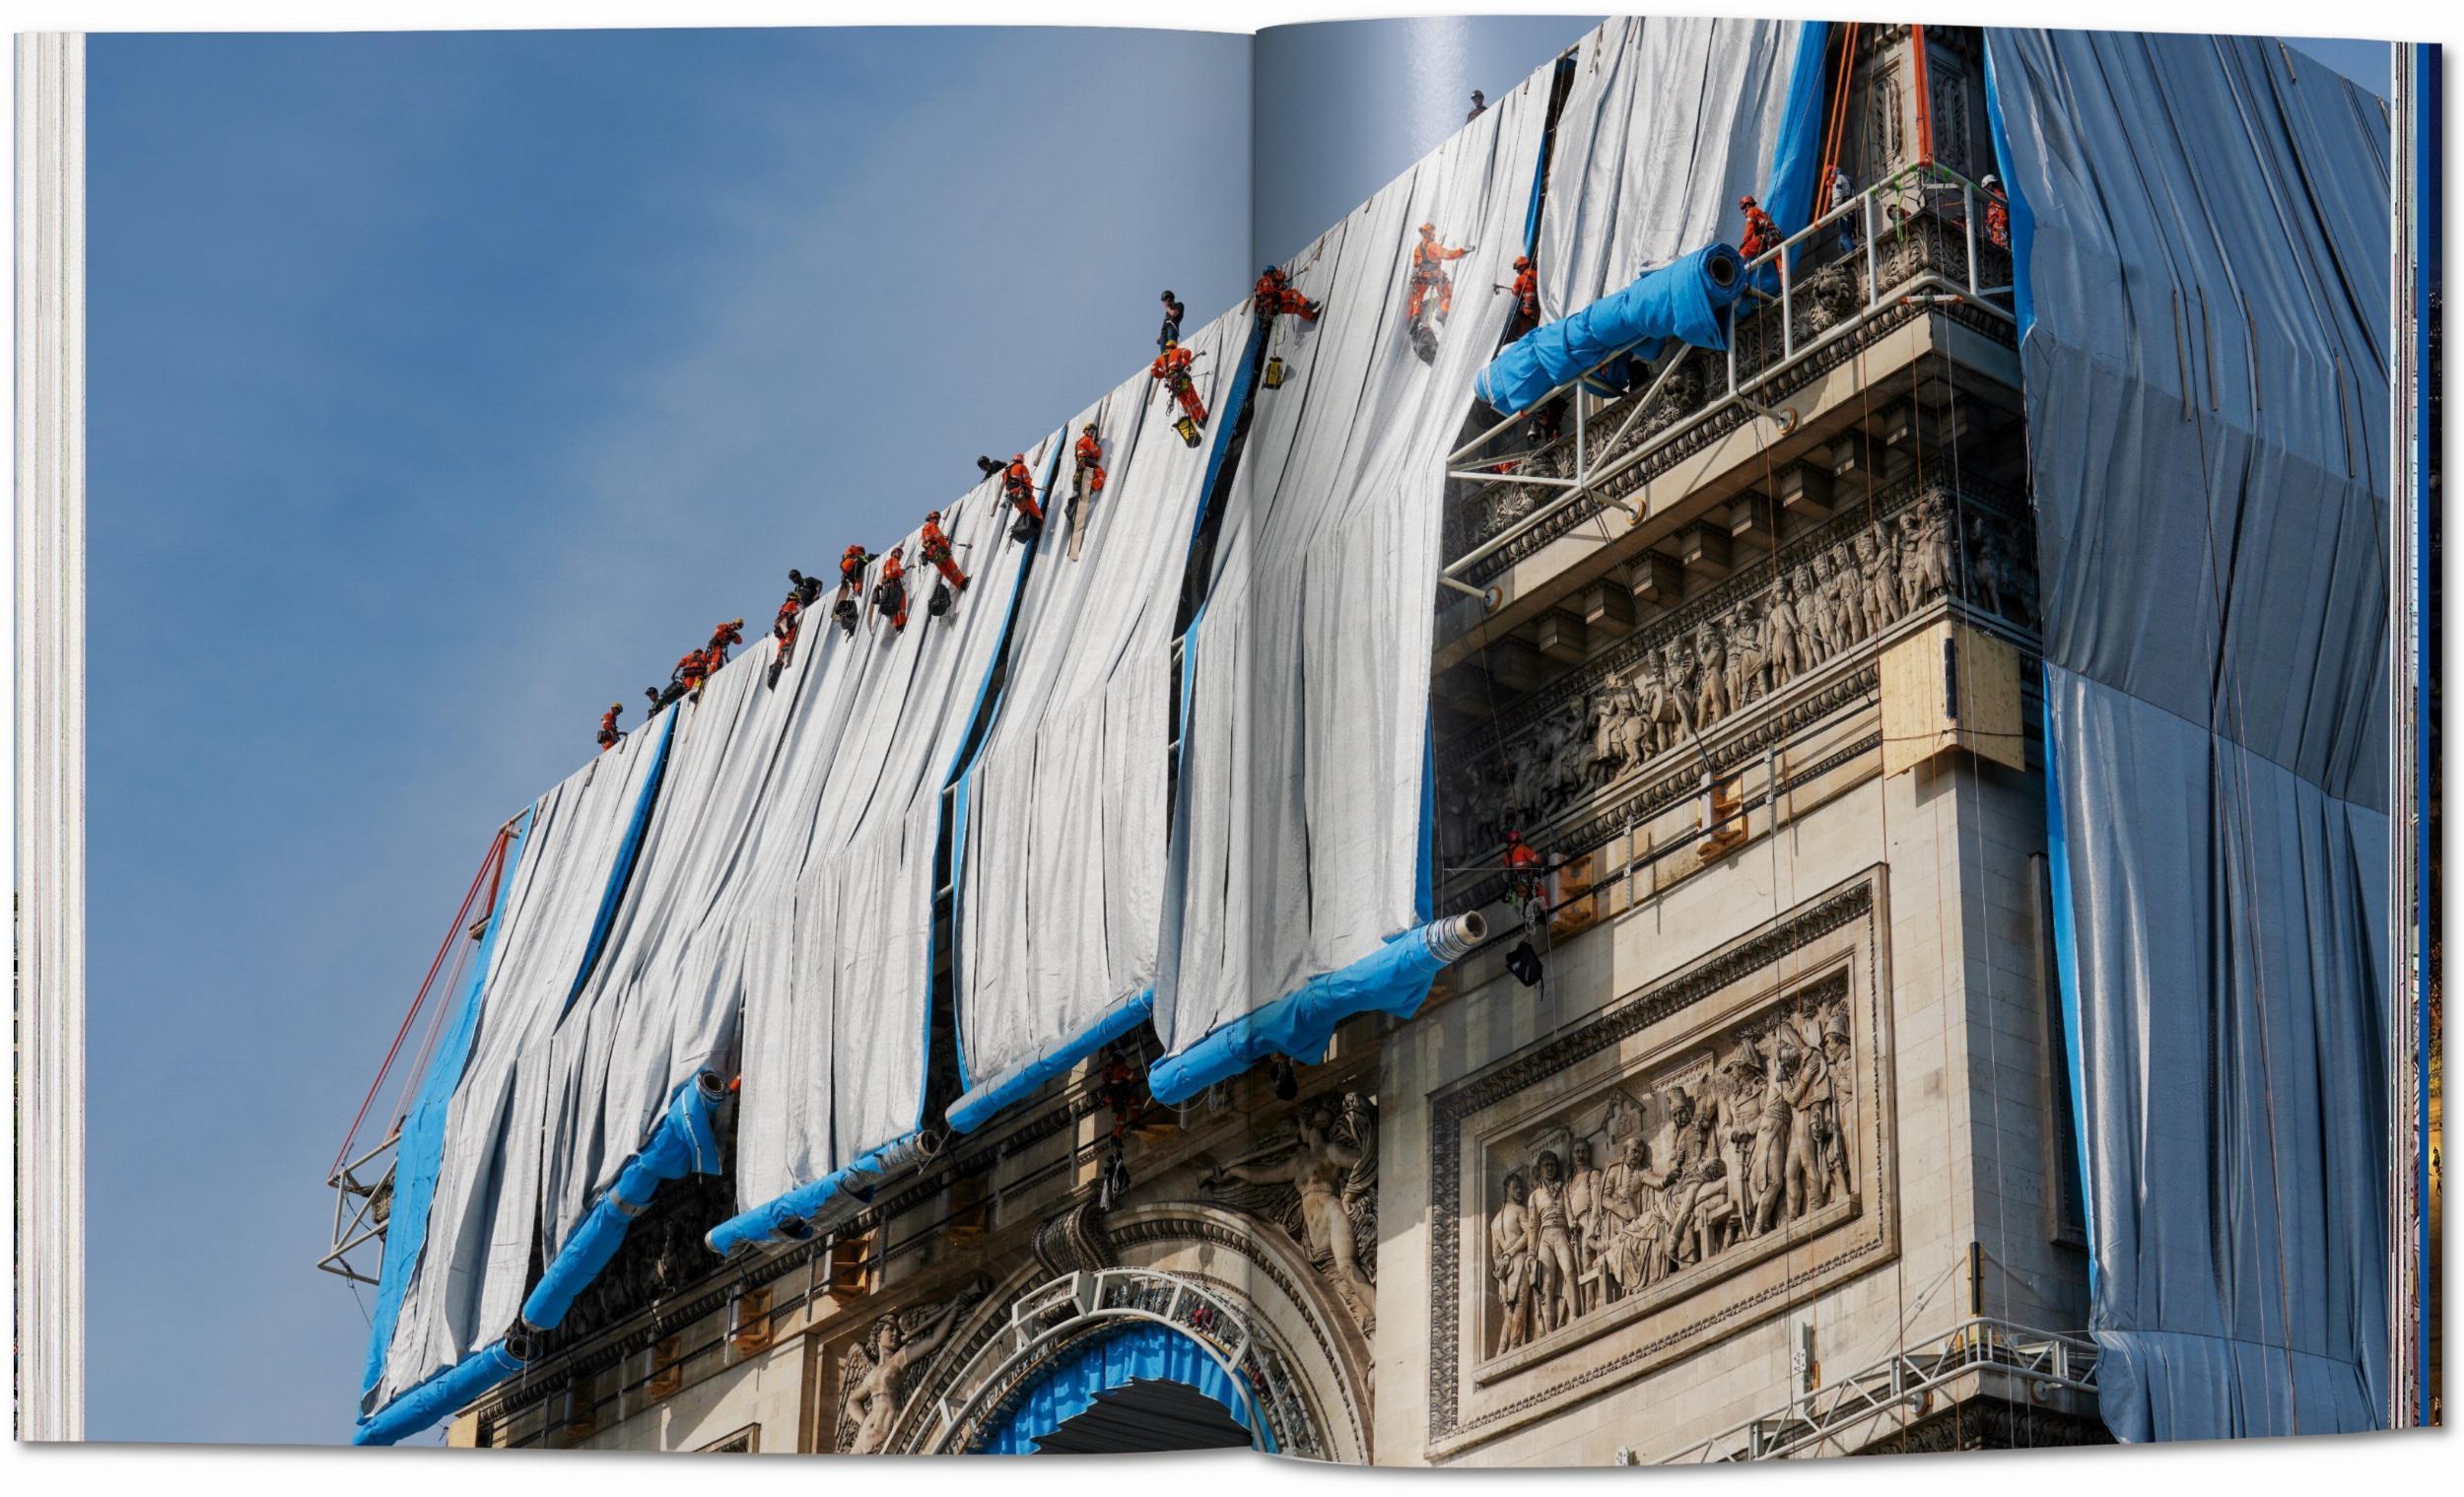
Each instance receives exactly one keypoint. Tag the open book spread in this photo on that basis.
(1710, 782)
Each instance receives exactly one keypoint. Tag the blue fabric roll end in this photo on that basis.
(682, 1144)
(439, 1396)
(1394, 980)
(769, 1221)
(980, 1106)
(1683, 300)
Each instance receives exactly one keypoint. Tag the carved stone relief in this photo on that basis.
(872, 1382)
(1825, 595)
(1317, 1181)
(1702, 1157)
(1651, 1182)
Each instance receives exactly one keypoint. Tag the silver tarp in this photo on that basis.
(1060, 877)
(467, 1286)
(2203, 228)
(837, 990)
(1668, 123)
(1296, 849)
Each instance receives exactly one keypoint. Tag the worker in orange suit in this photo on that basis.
(691, 672)
(1172, 369)
(1761, 234)
(609, 732)
(1428, 273)
(714, 653)
(934, 543)
(1274, 296)
(1091, 456)
(1996, 213)
(1524, 872)
(1019, 487)
(1526, 288)
(889, 593)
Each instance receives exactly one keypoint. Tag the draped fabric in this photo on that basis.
(1297, 844)
(2202, 247)
(837, 980)
(1060, 868)
(1668, 123)
(464, 1258)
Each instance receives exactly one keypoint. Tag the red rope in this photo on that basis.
(1923, 102)
(495, 860)
(1834, 132)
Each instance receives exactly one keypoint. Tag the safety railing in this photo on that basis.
(1041, 1320)
(1884, 216)
(1899, 1389)
(363, 1205)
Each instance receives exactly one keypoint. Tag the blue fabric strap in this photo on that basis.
(682, 1144)
(420, 1154)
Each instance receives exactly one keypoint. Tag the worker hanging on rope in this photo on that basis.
(1428, 274)
(609, 732)
(933, 543)
(852, 565)
(1996, 213)
(1526, 875)
(783, 628)
(1090, 459)
(1761, 234)
(1018, 492)
(802, 592)
(1526, 288)
(1526, 890)
(1274, 296)
(1431, 297)
(889, 593)
(1173, 312)
(1171, 369)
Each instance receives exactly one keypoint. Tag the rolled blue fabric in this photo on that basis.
(1683, 300)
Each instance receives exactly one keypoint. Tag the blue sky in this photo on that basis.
(444, 388)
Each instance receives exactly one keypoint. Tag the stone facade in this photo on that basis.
(1783, 1100)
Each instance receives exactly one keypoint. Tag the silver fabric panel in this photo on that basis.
(835, 1015)
(2207, 392)
(1296, 848)
(468, 1283)
(1669, 121)
(1061, 885)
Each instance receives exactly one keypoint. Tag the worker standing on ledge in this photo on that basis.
(1274, 294)
(933, 543)
(1173, 312)
(1171, 368)
(1996, 213)
(609, 733)
(714, 653)
(889, 594)
(1479, 106)
(1761, 234)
